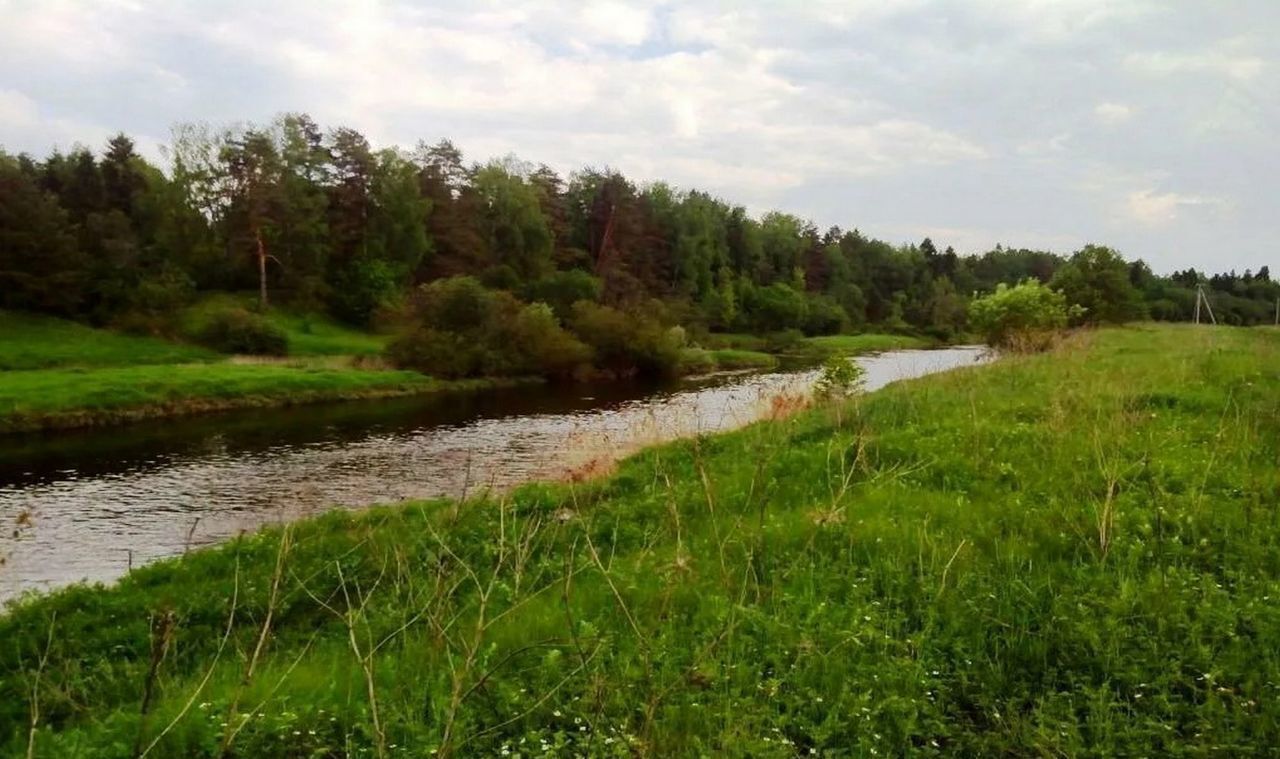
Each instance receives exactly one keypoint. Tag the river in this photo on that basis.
(90, 504)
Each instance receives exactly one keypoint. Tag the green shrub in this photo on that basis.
(237, 330)
(840, 376)
(447, 355)
(774, 308)
(627, 343)
(465, 330)
(562, 289)
(1025, 317)
(823, 316)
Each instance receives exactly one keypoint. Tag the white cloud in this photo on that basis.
(1113, 113)
(616, 23)
(1155, 208)
(881, 114)
(1223, 62)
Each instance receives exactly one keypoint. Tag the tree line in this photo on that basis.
(324, 221)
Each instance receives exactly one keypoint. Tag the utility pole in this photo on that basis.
(1202, 298)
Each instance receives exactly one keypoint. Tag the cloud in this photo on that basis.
(1234, 66)
(1112, 113)
(1156, 208)
(953, 115)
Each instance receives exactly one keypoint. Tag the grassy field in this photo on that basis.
(1069, 554)
(42, 342)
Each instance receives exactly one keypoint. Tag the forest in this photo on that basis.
(322, 221)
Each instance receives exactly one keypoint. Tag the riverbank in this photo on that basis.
(50, 399)
(1071, 552)
(56, 374)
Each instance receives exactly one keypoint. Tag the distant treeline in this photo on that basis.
(326, 222)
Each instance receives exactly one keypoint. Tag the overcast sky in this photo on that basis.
(1149, 125)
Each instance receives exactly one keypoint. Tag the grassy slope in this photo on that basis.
(1066, 554)
(41, 342)
(309, 334)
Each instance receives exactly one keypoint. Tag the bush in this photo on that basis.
(447, 355)
(774, 308)
(840, 376)
(562, 289)
(237, 330)
(465, 330)
(823, 316)
(627, 343)
(1025, 317)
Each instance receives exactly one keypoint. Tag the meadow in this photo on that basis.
(1072, 553)
(28, 341)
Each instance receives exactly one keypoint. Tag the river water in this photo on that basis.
(89, 504)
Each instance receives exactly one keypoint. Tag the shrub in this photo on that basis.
(840, 377)
(539, 345)
(447, 355)
(562, 289)
(1025, 317)
(823, 316)
(776, 307)
(465, 330)
(237, 330)
(627, 343)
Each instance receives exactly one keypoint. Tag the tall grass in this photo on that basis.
(1064, 554)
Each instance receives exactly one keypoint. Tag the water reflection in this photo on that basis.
(86, 505)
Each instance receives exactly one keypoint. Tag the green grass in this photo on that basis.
(866, 343)
(28, 341)
(308, 334)
(75, 397)
(312, 335)
(1069, 554)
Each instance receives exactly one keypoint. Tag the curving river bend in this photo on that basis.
(87, 505)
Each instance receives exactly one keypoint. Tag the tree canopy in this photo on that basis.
(323, 219)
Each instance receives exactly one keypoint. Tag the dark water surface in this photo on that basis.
(84, 505)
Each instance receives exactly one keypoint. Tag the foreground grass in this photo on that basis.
(29, 341)
(1069, 554)
(51, 398)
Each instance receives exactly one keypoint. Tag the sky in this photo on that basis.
(1152, 126)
